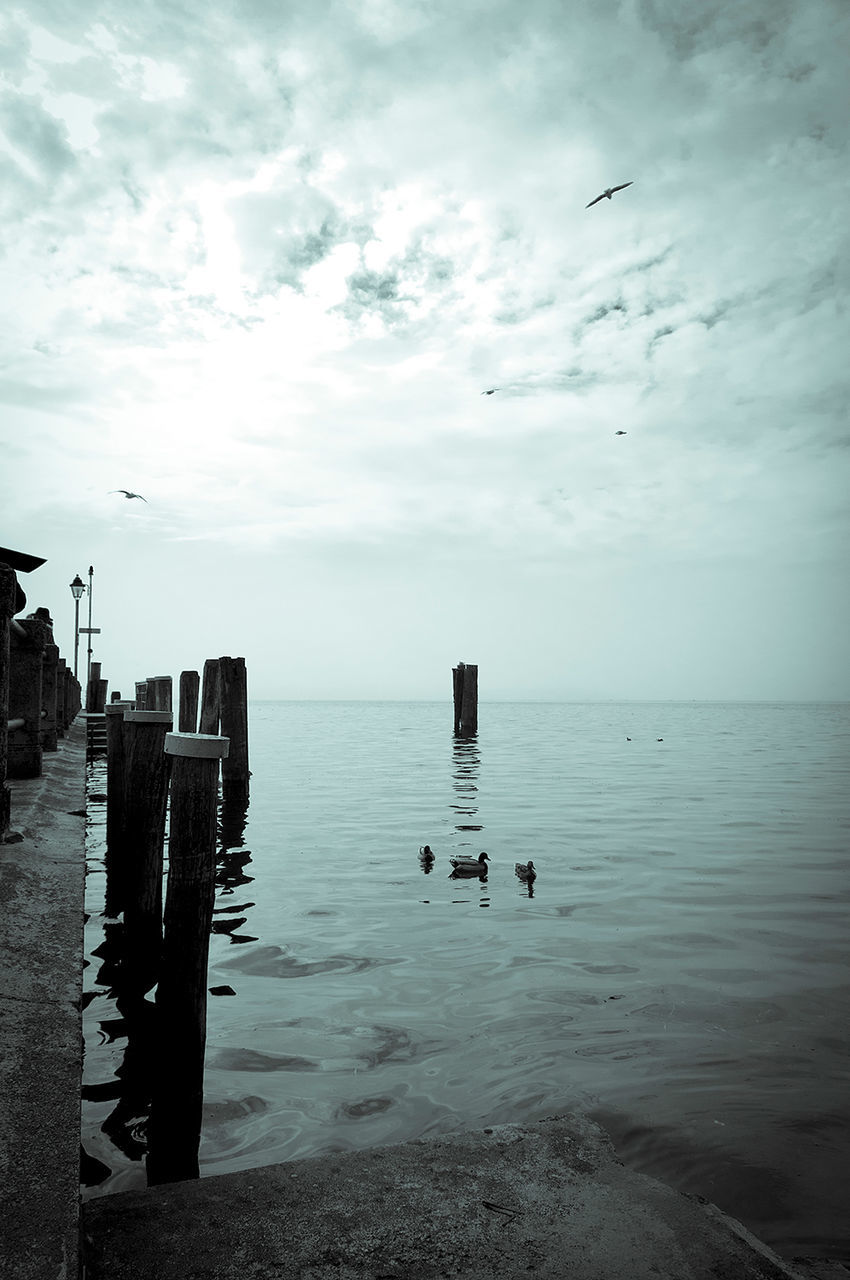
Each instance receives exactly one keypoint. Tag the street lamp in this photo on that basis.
(88, 668)
(77, 589)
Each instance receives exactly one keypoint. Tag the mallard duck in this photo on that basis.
(464, 865)
(525, 870)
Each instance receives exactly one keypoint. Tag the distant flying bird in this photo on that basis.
(608, 192)
(128, 494)
(621, 433)
(490, 392)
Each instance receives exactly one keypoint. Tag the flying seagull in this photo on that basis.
(490, 392)
(608, 192)
(128, 494)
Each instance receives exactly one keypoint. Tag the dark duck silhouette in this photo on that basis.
(467, 866)
(426, 859)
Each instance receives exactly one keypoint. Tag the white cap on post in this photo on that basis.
(149, 717)
(201, 746)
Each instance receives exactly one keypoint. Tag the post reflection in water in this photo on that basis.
(231, 874)
(466, 762)
(131, 1092)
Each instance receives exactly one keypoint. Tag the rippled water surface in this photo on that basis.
(679, 969)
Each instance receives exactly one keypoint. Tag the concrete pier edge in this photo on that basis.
(42, 894)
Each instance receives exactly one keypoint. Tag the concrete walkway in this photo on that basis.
(42, 878)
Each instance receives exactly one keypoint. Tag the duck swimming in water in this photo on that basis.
(468, 866)
(525, 870)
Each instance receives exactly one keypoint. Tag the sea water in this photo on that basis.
(678, 970)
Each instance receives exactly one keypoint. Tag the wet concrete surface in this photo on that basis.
(542, 1200)
(42, 878)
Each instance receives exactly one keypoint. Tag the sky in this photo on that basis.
(259, 262)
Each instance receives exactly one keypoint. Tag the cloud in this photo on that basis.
(39, 142)
(263, 263)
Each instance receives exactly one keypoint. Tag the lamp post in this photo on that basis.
(88, 668)
(77, 589)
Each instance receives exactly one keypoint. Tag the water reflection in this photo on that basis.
(481, 892)
(466, 762)
(232, 820)
(232, 860)
(157, 1088)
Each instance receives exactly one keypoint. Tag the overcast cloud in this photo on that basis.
(259, 262)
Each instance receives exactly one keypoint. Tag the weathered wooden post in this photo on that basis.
(116, 772)
(234, 726)
(141, 695)
(49, 680)
(174, 1128)
(210, 697)
(93, 686)
(187, 721)
(61, 697)
(137, 866)
(8, 593)
(457, 691)
(76, 697)
(158, 694)
(465, 685)
(26, 651)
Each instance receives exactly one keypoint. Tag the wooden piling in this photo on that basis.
(187, 721)
(158, 693)
(116, 772)
(8, 592)
(174, 1128)
(141, 695)
(457, 690)
(49, 675)
(61, 697)
(210, 697)
(93, 686)
(26, 655)
(139, 862)
(234, 726)
(100, 696)
(465, 688)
